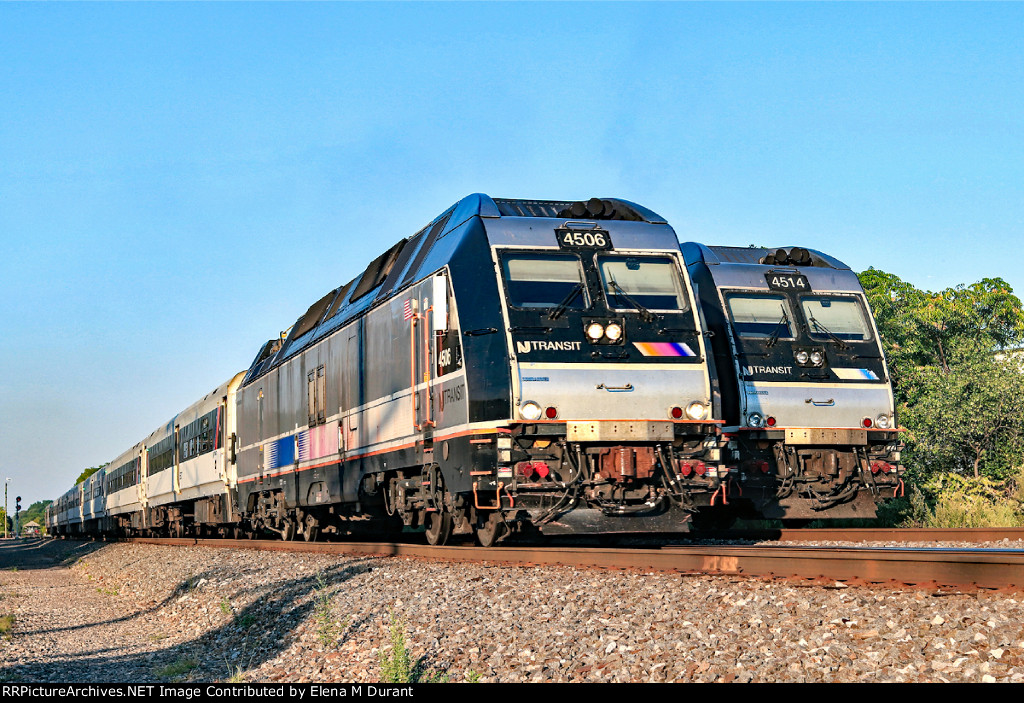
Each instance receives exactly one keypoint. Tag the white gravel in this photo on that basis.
(131, 612)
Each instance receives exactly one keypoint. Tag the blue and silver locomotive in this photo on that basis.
(801, 382)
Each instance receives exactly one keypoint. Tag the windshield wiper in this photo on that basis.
(566, 302)
(645, 314)
(775, 333)
(842, 345)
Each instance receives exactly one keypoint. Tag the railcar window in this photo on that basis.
(544, 281)
(760, 316)
(843, 316)
(652, 282)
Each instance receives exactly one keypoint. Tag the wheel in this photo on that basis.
(312, 529)
(288, 533)
(492, 529)
(439, 528)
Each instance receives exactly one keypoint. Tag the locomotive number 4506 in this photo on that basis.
(583, 239)
(779, 281)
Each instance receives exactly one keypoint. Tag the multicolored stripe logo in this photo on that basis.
(855, 374)
(664, 349)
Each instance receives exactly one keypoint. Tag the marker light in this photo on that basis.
(530, 410)
(595, 330)
(867, 422)
(676, 413)
(613, 331)
(696, 410)
(770, 421)
(551, 412)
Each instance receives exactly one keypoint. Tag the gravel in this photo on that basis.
(86, 612)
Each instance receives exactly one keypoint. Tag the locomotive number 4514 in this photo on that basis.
(779, 281)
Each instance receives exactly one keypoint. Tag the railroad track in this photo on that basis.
(936, 568)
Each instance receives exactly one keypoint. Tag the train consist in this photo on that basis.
(522, 366)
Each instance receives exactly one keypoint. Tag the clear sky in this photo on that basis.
(178, 182)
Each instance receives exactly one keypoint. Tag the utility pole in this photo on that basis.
(5, 507)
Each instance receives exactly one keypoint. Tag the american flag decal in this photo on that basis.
(408, 309)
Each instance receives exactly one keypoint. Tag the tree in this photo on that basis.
(89, 472)
(962, 403)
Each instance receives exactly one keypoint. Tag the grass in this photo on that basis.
(179, 668)
(107, 591)
(225, 606)
(6, 625)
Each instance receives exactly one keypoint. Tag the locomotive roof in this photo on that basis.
(745, 266)
(507, 221)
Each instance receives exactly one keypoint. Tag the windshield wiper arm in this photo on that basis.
(645, 314)
(842, 345)
(775, 333)
(566, 301)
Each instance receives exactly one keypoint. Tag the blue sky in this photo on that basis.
(178, 182)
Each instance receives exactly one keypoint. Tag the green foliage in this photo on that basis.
(959, 396)
(180, 667)
(328, 628)
(6, 625)
(396, 665)
(89, 472)
(36, 511)
(961, 501)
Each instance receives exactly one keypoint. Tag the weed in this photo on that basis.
(225, 606)
(157, 637)
(246, 621)
(237, 675)
(327, 628)
(396, 666)
(178, 668)
(472, 676)
(13, 568)
(107, 591)
(6, 625)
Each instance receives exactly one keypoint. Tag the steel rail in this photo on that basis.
(942, 568)
(867, 534)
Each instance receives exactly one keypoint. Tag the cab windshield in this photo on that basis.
(840, 316)
(544, 281)
(645, 281)
(761, 316)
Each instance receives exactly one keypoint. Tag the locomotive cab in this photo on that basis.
(611, 426)
(807, 402)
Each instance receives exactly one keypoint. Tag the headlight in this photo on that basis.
(755, 420)
(696, 410)
(595, 330)
(882, 421)
(817, 357)
(530, 410)
(613, 332)
(802, 356)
